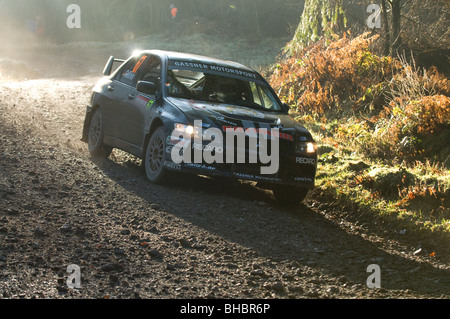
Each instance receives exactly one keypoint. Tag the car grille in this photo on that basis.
(249, 168)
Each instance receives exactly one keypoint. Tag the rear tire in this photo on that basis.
(95, 136)
(155, 157)
(289, 195)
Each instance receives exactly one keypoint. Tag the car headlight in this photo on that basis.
(190, 130)
(183, 128)
(310, 147)
(305, 148)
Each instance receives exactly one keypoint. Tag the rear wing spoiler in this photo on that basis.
(108, 67)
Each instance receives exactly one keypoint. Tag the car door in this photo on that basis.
(143, 103)
(128, 107)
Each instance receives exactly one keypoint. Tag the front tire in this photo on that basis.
(155, 157)
(95, 136)
(289, 195)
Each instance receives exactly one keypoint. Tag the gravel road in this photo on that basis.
(194, 238)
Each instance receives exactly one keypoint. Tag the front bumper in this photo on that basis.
(293, 171)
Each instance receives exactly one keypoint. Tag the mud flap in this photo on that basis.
(87, 121)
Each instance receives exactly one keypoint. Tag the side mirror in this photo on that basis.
(145, 87)
(285, 107)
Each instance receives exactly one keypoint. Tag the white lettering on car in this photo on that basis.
(305, 160)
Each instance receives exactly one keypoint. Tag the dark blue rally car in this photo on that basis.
(186, 113)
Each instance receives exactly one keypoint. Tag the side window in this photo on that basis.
(262, 96)
(256, 94)
(269, 102)
(131, 70)
(151, 71)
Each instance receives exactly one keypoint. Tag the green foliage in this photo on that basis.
(416, 198)
(387, 109)
(383, 129)
(382, 125)
(324, 78)
(389, 183)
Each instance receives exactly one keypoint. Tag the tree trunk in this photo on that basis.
(387, 34)
(396, 8)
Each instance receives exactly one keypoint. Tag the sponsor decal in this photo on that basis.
(241, 111)
(171, 141)
(129, 75)
(223, 120)
(256, 177)
(148, 102)
(172, 165)
(251, 131)
(242, 175)
(143, 99)
(284, 129)
(175, 140)
(207, 147)
(305, 160)
(200, 166)
(214, 68)
(193, 65)
(303, 179)
(217, 110)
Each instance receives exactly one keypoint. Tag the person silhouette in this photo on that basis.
(173, 11)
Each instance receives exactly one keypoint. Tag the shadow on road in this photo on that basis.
(248, 216)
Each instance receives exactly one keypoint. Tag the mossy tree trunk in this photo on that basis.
(320, 18)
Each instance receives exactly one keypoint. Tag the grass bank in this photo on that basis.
(383, 129)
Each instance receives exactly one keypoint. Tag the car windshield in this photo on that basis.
(211, 83)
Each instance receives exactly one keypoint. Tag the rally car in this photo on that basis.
(180, 112)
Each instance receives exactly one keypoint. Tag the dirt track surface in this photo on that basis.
(194, 238)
